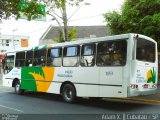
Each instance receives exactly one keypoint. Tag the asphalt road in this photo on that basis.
(48, 106)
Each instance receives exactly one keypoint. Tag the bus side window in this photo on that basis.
(40, 57)
(112, 53)
(88, 55)
(54, 57)
(20, 59)
(103, 56)
(71, 56)
(29, 58)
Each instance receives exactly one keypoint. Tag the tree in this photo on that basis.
(72, 35)
(53, 5)
(13, 8)
(136, 16)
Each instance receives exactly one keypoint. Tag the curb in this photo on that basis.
(142, 100)
(134, 100)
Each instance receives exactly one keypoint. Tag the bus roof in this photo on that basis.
(87, 40)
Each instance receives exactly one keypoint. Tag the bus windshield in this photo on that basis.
(145, 50)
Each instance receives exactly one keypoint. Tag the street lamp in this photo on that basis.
(13, 39)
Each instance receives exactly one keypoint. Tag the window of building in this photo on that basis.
(88, 55)
(20, 59)
(112, 53)
(4, 42)
(71, 56)
(29, 58)
(54, 57)
(39, 57)
(7, 42)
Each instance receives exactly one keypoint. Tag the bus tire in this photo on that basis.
(18, 89)
(68, 93)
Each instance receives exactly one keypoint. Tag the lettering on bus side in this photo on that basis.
(16, 72)
(67, 73)
(109, 73)
(139, 77)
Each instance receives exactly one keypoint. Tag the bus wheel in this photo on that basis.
(68, 93)
(18, 90)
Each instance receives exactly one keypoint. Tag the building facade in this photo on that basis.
(82, 32)
(12, 43)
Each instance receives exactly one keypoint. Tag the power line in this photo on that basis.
(85, 18)
(88, 17)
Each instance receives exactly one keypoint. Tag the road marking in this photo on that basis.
(11, 108)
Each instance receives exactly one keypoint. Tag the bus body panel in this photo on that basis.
(94, 81)
(144, 72)
(111, 81)
(144, 78)
(8, 78)
(84, 78)
(37, 78)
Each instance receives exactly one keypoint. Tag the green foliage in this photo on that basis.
(61, 3)
(138, 16)
(59, 39)
(8, 8)
(56, 39)
(72, 35)
(32, 9)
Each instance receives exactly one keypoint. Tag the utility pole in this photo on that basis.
(64, 14)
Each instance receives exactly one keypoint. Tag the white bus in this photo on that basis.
(113, 66)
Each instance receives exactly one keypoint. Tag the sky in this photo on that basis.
(84, 15)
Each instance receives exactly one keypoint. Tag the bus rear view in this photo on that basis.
(144, 67)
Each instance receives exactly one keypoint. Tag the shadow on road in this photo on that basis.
(110, 104)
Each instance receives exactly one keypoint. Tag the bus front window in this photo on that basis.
(8, 64)
(145, 50)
